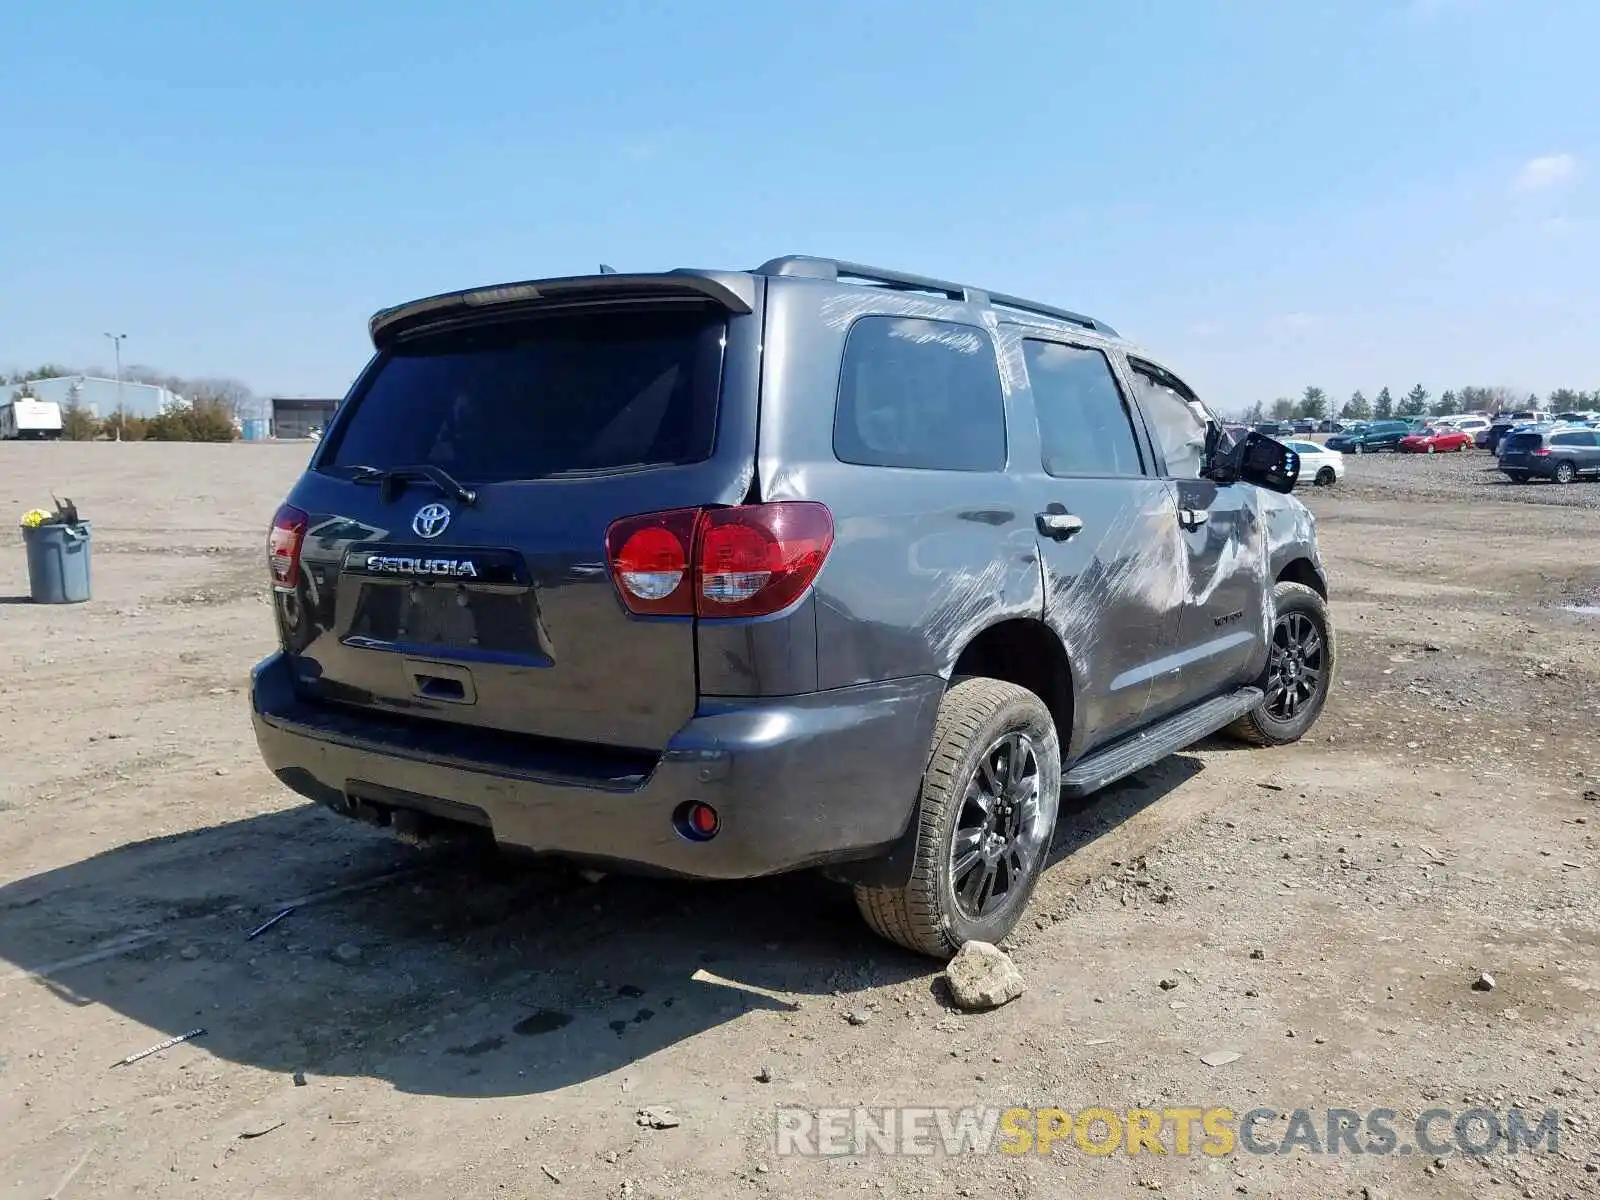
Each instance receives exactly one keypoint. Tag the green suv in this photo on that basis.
(1370, 436)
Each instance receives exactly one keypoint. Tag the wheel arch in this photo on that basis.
(1020, 650)
(1027, 652)
(1302, 570)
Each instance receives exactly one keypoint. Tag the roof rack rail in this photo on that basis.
(806, 266)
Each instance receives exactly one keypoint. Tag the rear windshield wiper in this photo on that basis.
(390, 479)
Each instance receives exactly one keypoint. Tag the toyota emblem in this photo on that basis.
(431, 520)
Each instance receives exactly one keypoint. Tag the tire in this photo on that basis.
(1430, 447)
(1296, 608)
(1565, 472)
(1360, 448)
(1324, 477)
(979, 725)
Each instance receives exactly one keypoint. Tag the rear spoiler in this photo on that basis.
(731, 290)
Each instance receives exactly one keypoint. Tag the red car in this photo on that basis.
(1435, 441)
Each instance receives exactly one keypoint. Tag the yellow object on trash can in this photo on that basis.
(34, 518)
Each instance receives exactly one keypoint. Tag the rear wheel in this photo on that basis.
(1360, 449)
(1299, 671)
(985, 818)
(1324, 477)
(1430, 447)
(1566, 472)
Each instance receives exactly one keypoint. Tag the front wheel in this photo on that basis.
(985, 817)
(1430, 447)
(1360, 449)
(1299, 671)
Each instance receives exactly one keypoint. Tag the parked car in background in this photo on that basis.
(1370, 437)
(1562, 453)
(1504, 423)
(1330, 427)
(1317, 463)
(1438, 439)
(1468, 424)
(1578, 418)
(1522, 427)
(1303, 425)
(1274, 429)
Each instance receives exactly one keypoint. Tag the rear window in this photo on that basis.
(1524, 441)
(541, 396)
(919, 393)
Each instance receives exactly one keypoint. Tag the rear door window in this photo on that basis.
(536, 397)
(1573, 439)
(1085, 424)
(922, 394)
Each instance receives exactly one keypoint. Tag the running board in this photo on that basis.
(1148, 746)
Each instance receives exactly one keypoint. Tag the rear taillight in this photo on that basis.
(1542, 452)
(759, 558)
(747, 561)
(283, 547)
(650, 557)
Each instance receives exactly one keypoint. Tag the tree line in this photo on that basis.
(1315, 404)
(208, 408)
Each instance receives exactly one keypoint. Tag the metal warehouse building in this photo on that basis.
(99, 397)
(297, 416)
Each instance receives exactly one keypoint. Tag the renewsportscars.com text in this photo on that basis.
(1214, 1131)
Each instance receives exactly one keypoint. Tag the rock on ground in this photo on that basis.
(982, 977)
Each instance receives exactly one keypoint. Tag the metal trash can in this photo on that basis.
(58, 562)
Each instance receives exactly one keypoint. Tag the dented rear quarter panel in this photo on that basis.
(922, 560)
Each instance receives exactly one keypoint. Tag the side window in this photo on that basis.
(1573, 439)
(1084, 424)
(1169, 405)
(917, 393)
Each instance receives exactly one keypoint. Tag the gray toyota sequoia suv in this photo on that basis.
(728, 573)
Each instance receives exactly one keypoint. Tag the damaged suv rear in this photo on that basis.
(725, 574)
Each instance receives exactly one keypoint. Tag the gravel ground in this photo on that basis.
(431, 1023)
(1469, 477)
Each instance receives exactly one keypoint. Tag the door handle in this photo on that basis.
(1059, 526)
(1193, 518)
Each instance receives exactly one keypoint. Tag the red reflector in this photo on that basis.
(703, 819)
(283, 547)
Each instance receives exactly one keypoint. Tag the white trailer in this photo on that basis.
(25, 418)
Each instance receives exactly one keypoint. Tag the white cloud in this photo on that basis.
(1546, 171)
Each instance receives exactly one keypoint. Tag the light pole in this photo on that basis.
(116, 342)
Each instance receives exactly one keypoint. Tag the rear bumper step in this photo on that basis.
(796, 781)
(1143, 749)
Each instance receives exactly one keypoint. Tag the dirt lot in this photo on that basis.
(467, 1027)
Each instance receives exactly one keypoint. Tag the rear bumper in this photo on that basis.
(797, 781)
(1527, 465)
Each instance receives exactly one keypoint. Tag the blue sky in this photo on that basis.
(1271, 194)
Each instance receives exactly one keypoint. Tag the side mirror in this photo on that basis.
(1255, 458)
